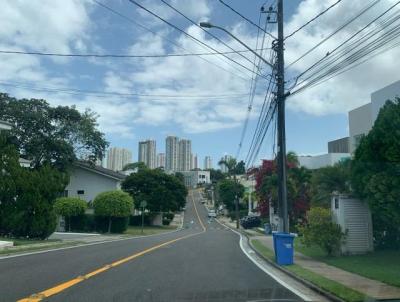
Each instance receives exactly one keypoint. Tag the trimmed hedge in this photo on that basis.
(92, 223)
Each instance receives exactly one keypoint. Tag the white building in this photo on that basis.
(195, 162)
(117, 158)
(147, 153)
(171, 153)
(5, 125)
(320, 161)
(224, 168)
(362, 119)
(161, 160)
(87, 181)
(184, 155)
(193, 178)
(207, 163)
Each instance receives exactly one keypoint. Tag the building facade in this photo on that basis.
(224, 168)
(194, 178)
(161, 160)
(320, 161)
(147, 153)
(340, 145)
(184, 155)
(207, 163)
(117, 158)
(362, 119)
(195, 162)
(171, 153)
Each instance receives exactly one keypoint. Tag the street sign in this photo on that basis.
(143, 204)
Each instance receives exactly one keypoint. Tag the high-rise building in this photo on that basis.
(117, 158)
(195, 162)
(207, 163)
(224, 168)
(161, 160)
(185, 151)
(147, 153)
(171, 153)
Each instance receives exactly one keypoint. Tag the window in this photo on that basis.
(336, 203)
(80, 192)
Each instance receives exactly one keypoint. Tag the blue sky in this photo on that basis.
(214, 125)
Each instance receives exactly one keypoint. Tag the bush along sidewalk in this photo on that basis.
(332, 289)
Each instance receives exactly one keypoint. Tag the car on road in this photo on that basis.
(249, 222)
(203, 201)
(211, 213)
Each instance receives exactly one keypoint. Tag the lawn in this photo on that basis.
(25, 241)
(148, 230)
(331, 286)
(379, 265)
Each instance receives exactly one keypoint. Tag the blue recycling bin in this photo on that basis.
(283, 246)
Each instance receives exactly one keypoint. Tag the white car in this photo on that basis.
(211, 213)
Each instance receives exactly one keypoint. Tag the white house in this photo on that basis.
(5, 125)
(86, 181)
(193, 178)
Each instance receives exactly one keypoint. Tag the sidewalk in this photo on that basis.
(371, 288)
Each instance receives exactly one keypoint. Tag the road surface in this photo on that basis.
(201, 262)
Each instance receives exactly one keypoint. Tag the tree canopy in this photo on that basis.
(52, 135)
(227, 190)
(375, 174)
(133, 166)
(70, 206)
(162, 192)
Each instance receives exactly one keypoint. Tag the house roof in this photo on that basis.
(100, 170)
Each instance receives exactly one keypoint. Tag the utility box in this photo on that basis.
(354, 217)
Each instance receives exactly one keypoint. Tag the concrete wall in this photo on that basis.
(379, 98)
(90, 182)
(324, 160)
(340, 145)
(360, 123)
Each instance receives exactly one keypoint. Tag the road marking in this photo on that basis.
(65, 285)
(197, 213)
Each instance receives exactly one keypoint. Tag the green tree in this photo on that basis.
(162, 192)
(113, 204)
(180, 176)
(321, 231)
(227, 190)
(375, 174)
(52, 135)
(133, 166)
(216, 175)
(326, 180)
(68, 207)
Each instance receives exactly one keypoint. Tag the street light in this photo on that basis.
(209, 25)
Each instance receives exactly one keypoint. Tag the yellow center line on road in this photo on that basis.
(65, 285)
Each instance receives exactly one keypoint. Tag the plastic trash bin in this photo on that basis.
(283, 245)
(267, 228)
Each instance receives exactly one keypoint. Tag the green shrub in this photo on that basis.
(113, 204)
(69, 207)
(320, 230)
(169, 216)
(136, 220)
(166, 221)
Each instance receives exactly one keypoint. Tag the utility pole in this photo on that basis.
(280, 77)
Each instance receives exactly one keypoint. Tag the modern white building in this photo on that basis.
(147, 153)
(195, 162)
(224, 168)
(362, 119)
(194, 178)
(117, 158)
(207, 163)
(171, 153)
(87, 181)
(184, 155)
(161, 160)
(320, 161)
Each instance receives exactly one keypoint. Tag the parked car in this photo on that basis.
(211, 213)
(249, 222)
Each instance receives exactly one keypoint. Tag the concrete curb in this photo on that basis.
(310, 285)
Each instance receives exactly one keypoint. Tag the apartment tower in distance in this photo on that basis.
(185, 155)
(171, 153)
(195, 162)
(207, 163)
(117, 158)
(161, 160)
(147, 153)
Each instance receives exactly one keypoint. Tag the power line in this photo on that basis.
(313, 19)
(188, 35)
(91, 55)
(349, 21)
(247, 19)
(209, 33)
(165, 38)
(118, 94)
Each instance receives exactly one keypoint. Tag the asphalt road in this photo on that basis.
(202, 262)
